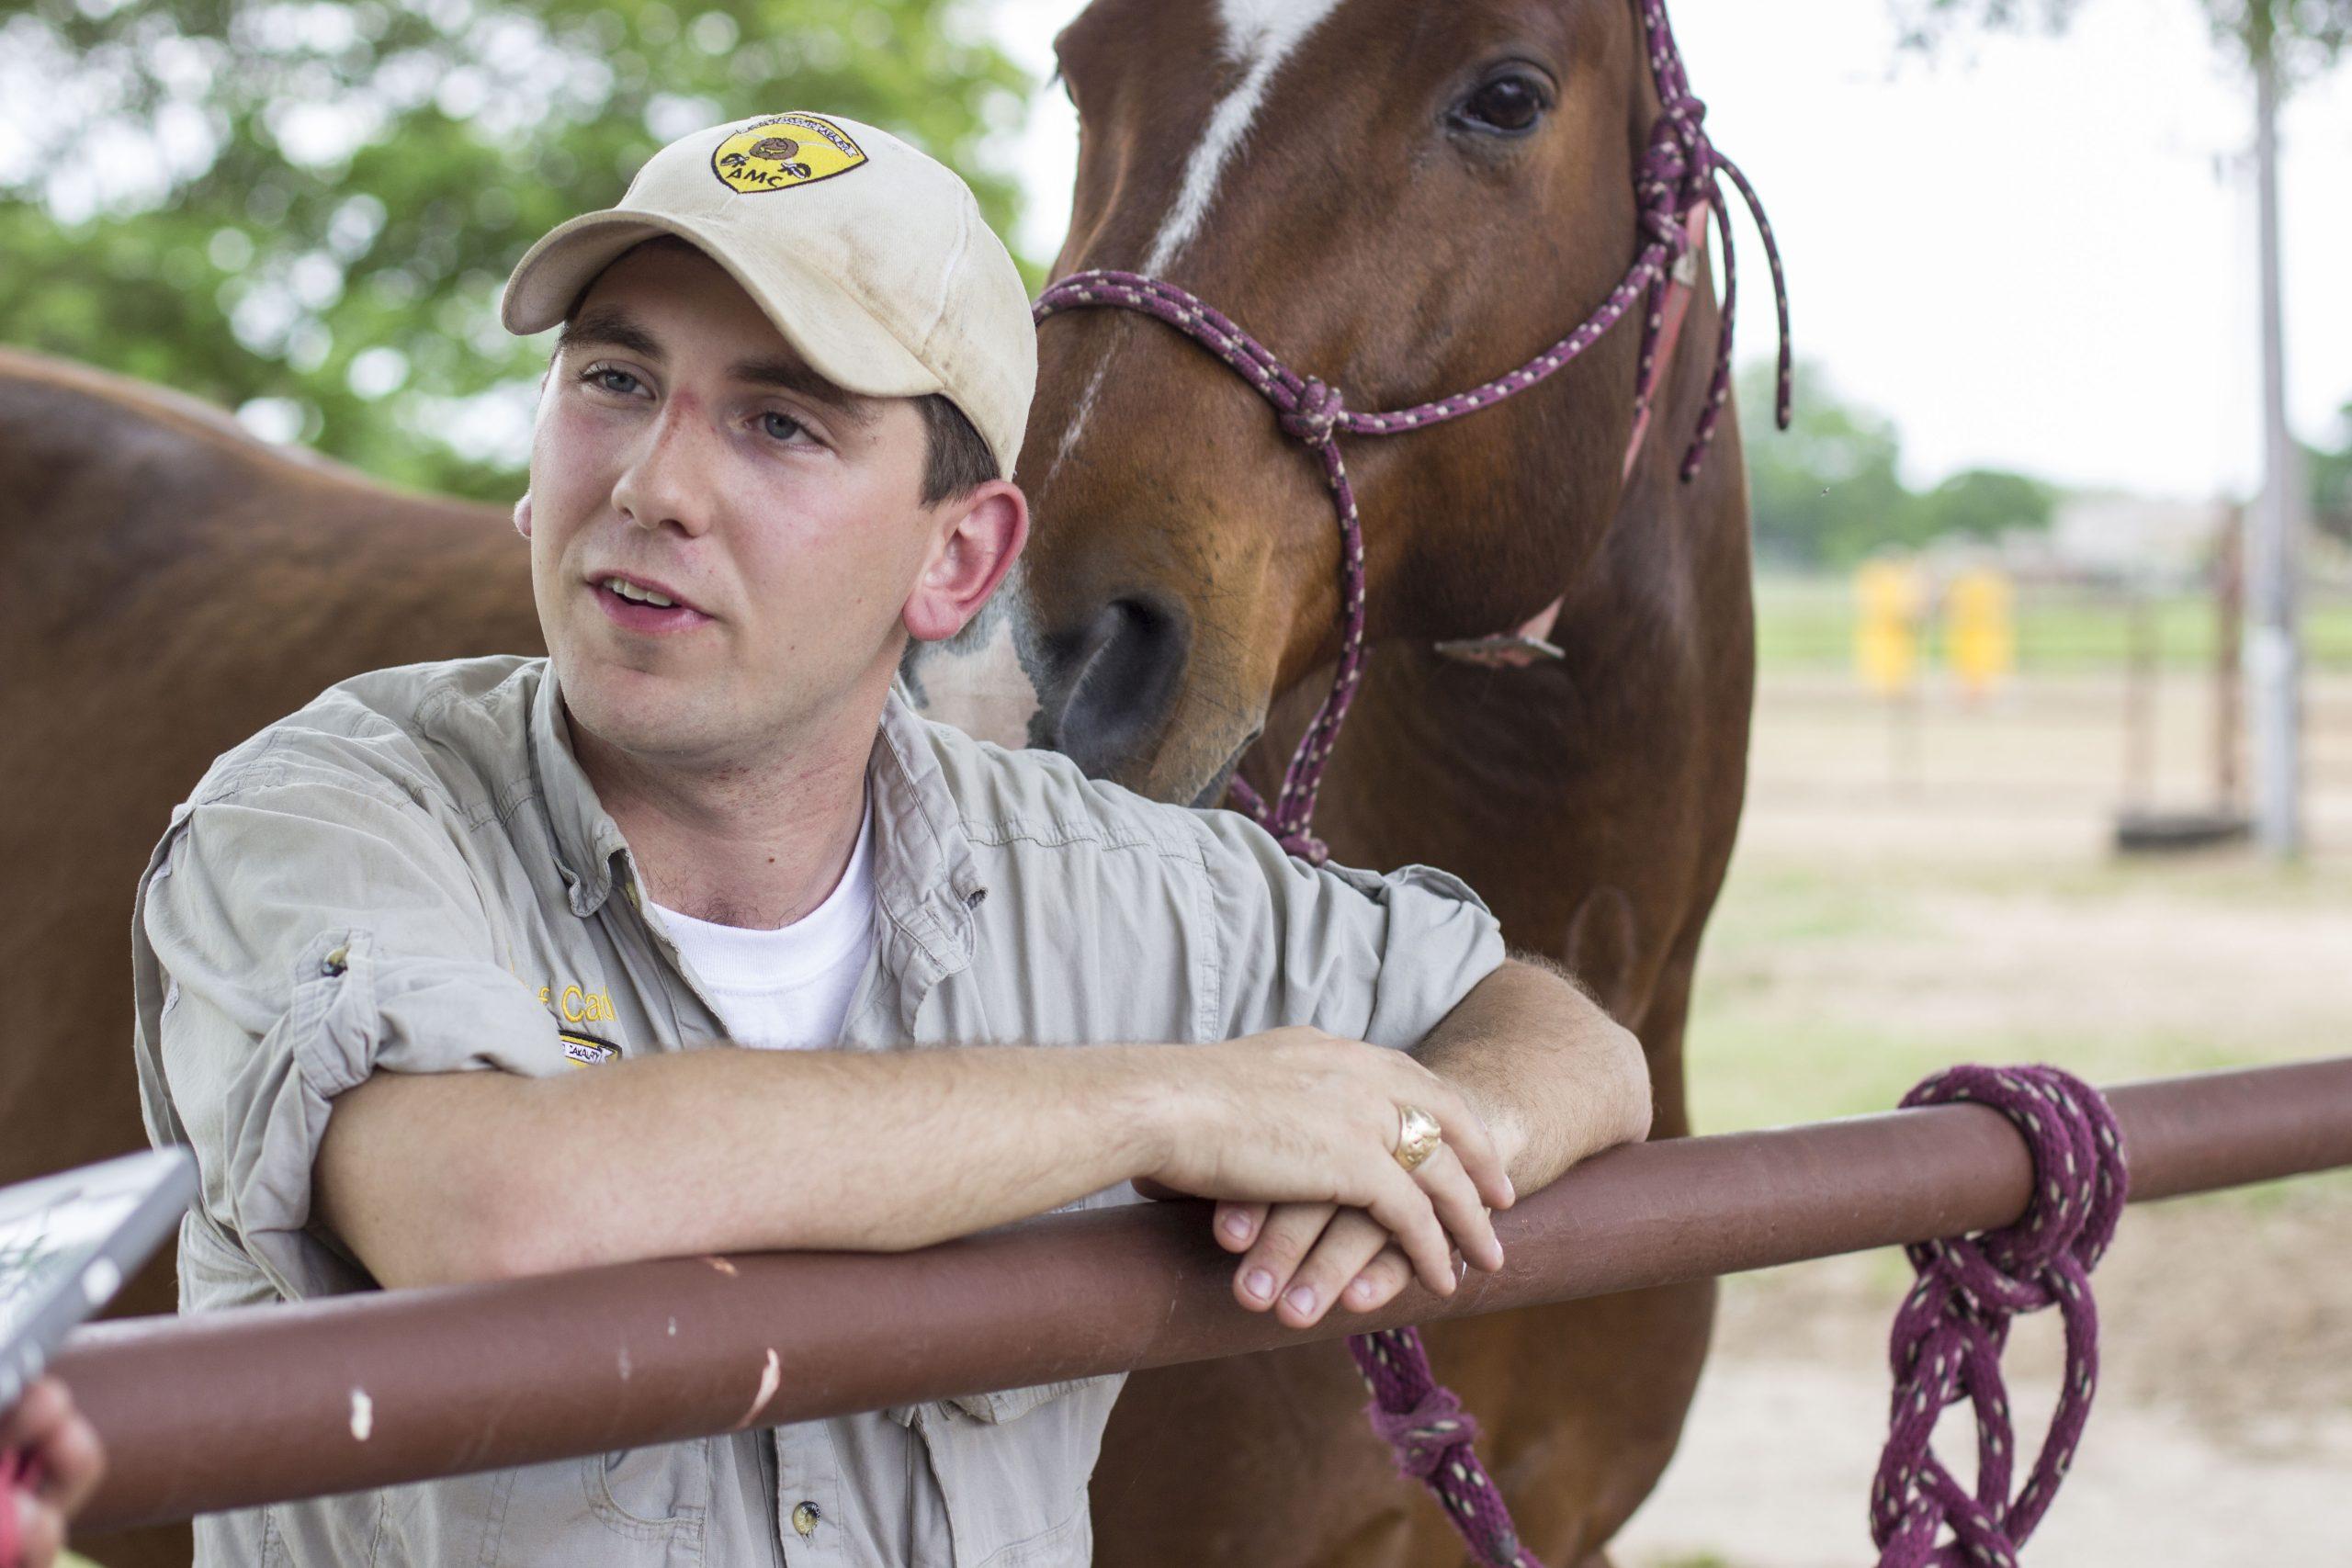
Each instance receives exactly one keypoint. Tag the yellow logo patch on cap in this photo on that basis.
(784, 150)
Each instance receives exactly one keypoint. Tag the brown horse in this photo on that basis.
(173, 584)
(1352, 183)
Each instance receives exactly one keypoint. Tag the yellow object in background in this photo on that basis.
(1980, 629)
(1891, 601)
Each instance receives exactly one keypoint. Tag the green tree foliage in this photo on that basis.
(1984, 504)
(1827, 491)
(315, 204)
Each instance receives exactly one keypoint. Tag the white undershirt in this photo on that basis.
(789, 987)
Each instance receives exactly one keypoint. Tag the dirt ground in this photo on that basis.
(1937, 886)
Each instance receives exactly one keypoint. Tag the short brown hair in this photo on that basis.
(958, 461)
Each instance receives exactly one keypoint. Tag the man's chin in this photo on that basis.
(647, 713)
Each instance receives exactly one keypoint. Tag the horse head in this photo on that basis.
(1398, 200)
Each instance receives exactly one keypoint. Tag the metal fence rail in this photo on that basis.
(233, 1408)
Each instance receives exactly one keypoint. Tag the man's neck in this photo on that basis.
(745, 844)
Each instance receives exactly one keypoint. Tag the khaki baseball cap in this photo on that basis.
(871, 258)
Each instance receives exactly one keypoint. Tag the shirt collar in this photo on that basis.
(926, 882)
(586, 837)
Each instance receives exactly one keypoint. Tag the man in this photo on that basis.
(772, 447)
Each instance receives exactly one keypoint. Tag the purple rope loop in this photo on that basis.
(1424, 1424)
(1950, 1332)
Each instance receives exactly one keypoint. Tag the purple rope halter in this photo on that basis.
(1677, 177)
(1950, 1331)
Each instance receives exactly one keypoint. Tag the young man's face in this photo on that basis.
(684, 450)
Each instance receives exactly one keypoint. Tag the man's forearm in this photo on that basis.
(723, 1150)
(1554, 1077)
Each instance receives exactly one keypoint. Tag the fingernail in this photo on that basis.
(1260, 1283)
(1511, 1193)
(1361, 1289)
(1301, 1298)
(1237, 1225)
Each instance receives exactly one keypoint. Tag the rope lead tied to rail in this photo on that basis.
(1950, 1332)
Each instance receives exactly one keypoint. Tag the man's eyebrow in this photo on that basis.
(606, 324)
(791, 376)
(611, 326)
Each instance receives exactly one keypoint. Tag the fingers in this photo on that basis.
(1351, 1240)
(1289, 1229)
(63, 1460)
(76, 1464)
(1458, 1208)
(1237, 1225)
(1472, 1140)
(1399, 1204)
(43, 1407)
(40, 1530)
(1378, 1282)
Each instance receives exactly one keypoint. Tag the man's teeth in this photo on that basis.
(629, 590)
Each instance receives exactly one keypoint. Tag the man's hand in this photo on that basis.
(1308, 1120)
(1551, 1078)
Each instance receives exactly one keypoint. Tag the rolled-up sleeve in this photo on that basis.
(304, 931)
(1371, 957)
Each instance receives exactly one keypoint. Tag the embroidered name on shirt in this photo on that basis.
(579, 1006)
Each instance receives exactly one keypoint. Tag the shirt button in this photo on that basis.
(804, 1519)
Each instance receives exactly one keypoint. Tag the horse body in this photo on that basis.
(173, 584)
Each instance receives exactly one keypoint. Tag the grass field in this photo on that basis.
(1937, 886)
(1807, 622)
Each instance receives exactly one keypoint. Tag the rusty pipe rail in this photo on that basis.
(238, 1407)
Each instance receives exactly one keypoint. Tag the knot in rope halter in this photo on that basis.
(1316, 412)
(1951, 1329)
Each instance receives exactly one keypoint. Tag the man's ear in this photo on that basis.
(523, 516)
(980, 536)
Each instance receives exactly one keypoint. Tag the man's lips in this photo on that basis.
(678, 616)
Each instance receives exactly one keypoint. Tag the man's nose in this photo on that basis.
(660, 488)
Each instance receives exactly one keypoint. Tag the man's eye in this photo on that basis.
(596, 374)
(793, 426)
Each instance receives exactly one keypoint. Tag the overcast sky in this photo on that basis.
(2033, 253)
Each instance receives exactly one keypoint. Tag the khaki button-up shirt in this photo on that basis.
(412, 875)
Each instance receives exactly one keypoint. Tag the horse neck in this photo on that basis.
(1454, 764)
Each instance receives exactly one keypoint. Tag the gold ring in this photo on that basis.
(1417, 1135)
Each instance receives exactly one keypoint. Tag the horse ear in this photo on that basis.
(523, 516)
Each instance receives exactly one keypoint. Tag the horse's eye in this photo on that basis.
(1507, 105)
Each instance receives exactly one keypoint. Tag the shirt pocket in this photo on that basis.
(1012, 1468)
(630, 1508)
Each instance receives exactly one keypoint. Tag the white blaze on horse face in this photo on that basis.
(976, 681)
(1259, 35)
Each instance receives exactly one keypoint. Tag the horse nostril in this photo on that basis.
(1128, 665)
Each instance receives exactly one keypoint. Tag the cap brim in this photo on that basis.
(823, 322)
